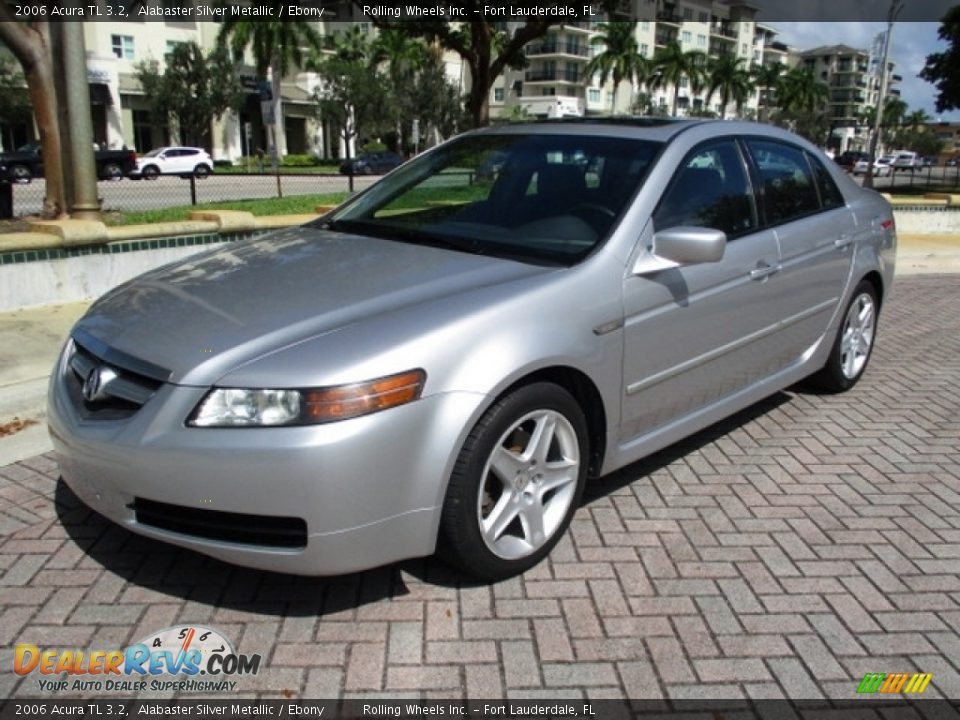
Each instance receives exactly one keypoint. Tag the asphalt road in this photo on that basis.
(132, 195)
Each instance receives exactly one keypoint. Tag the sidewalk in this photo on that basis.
(30, 340)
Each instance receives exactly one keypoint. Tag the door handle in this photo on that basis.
(763, 270)
(843, 240)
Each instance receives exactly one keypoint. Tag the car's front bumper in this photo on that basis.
(369, 489)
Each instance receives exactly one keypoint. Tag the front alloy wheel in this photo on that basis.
(516, 483)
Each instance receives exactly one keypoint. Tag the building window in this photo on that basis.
(645, 25)
(688, 14)
(701, 40)
(122, 46)
(703, 17)
(171, 46)
(743, 49)
(686, 36)
(550, 91)
(593, 95)
(644, 49)
(498, 94)
(683, 81)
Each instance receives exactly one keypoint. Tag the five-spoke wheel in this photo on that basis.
(516, 483)
(851, 348)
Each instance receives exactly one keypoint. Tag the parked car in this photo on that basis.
(444, 363)
(882, 166)
(26, 163)
(953, 162)
(929, 161)
(907, 160)
(376, 163)
(848, 159)
(182, 161)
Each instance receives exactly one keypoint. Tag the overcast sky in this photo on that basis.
(912, 42)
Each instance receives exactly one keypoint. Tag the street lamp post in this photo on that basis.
(895, 7)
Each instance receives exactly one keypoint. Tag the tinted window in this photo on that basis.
(788, 187)
(830, 195)
(709, 190)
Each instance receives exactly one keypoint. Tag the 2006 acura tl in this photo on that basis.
(444, 360)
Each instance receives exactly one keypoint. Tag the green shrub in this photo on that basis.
(373, 146)
(299, 161)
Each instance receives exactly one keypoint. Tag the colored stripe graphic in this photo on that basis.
(894, 683)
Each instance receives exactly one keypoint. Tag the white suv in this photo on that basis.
(907, 160)
(182, 161)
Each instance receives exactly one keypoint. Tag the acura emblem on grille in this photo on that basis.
(95, 385)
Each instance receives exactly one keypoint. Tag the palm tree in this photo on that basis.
(620, 60)
(727, 75)
(801, 92)
(276, 45)
(917, 119)
(403, 55)
(768, 79)
(894, 111)
(672, 64)
(352, 44)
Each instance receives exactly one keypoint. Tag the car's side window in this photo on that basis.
(710, 189)
(788, 186)
(830, 195)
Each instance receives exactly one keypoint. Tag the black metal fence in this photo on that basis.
(171, 191)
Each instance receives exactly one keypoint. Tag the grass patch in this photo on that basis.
(322, 169)
(293, 205)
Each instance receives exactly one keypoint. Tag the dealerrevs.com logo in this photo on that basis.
(150, 664)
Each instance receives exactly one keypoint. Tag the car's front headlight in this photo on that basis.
(240, 407)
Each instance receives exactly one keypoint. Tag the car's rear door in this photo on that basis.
(815, 231)
(695, 334)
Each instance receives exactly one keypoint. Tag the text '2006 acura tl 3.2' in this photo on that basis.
(444, 361)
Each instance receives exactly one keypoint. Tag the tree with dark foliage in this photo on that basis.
(943, 68)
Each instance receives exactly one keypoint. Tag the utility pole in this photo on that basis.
(895, 7)
(83, 166)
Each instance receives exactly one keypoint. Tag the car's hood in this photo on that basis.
(201, 317)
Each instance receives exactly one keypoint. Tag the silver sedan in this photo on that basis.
(443, 362)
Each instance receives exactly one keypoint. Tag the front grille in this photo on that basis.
(264, 530)
(123, 395)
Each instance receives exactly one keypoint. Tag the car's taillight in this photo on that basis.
(887, 224)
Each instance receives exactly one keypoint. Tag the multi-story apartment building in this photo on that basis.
(853, 78)
(556, 82)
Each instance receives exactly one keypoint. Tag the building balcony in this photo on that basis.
(558, 75)
(777, 47)
(669, 17)
(559, 48)
(897, 78)
(723, 32)
(663, 38)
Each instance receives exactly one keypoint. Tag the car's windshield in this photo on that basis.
(544, 198)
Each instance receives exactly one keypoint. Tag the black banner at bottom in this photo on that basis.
(892, 709)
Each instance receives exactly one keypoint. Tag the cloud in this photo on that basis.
(912, 42)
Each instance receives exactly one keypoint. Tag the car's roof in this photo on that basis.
(648, 128)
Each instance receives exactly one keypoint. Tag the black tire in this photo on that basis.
(201, 171)
(842, 371)
(112, 172)
(476, 491)
(21, 174)
(150, 172)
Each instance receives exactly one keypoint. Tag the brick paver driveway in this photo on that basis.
(789, 550)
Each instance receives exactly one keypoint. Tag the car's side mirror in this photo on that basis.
(682, 245)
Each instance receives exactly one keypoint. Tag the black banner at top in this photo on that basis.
(556, 11)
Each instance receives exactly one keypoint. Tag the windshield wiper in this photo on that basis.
(406, 235)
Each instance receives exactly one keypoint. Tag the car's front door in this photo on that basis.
(816, 234)
(695, 334)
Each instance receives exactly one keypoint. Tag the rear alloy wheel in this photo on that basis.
(517, 483)
(201, 171)
(20, 174)
(112, 172)
(853, 344)
(150, 172)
